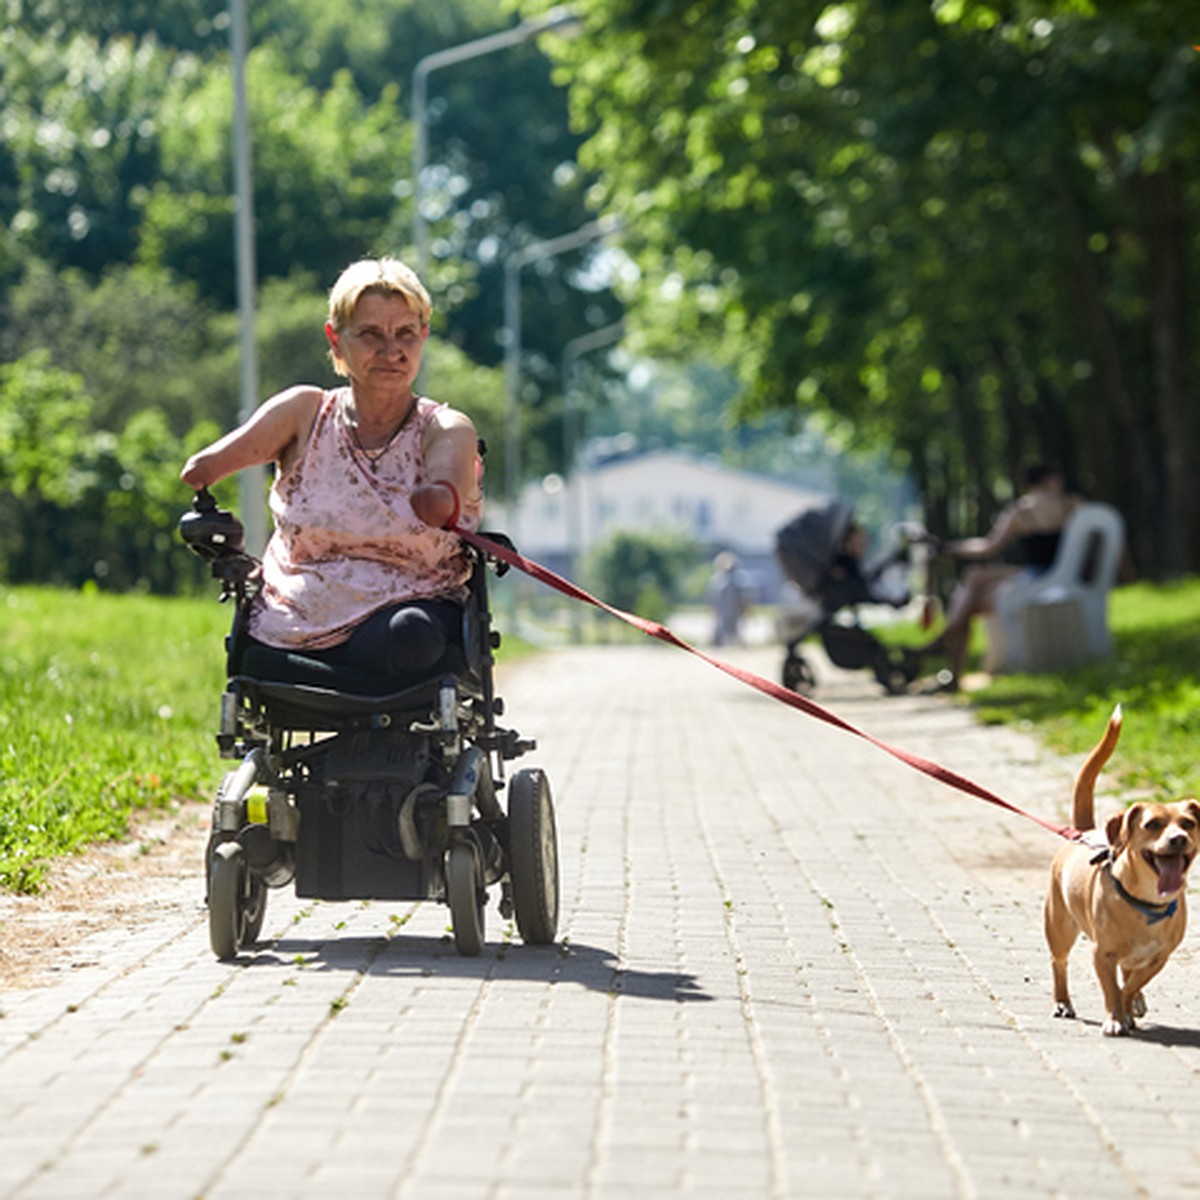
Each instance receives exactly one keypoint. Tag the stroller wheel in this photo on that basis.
(896, 669)
(911, 662)
(798, 675)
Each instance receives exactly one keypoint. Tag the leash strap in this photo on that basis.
(776, 691)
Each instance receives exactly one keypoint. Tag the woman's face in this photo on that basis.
(381, 344)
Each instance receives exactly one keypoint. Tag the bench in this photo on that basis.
(1059, 619)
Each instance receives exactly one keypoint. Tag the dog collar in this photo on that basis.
(1152, 912)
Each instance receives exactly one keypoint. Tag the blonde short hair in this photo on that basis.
(385, 276)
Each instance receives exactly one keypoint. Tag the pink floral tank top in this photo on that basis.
(346, 541)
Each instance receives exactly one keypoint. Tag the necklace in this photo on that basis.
(374, 456)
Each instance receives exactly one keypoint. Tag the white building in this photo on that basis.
(722, 509)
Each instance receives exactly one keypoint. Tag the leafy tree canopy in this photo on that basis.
(959, 229)
(78, 146)
(129, 336)
(192, 25)
(324, 166)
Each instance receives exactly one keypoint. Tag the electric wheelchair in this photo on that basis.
(351, 791)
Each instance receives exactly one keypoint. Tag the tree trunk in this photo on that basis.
(1164, 221)
(1114, 413)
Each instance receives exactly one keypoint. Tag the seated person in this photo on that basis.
(1033, 525)
(363, 569)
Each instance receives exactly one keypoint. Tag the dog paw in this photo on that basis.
(1063, 1009)
(1115, 1027)
(1137, 1005)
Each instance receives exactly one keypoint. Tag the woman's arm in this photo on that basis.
(1006, 528)
(275, 433)
(451, 458)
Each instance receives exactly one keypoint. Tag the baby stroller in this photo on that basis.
(356, 792)
(822, 581)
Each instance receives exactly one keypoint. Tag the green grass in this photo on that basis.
(107, 704)
(1154, 673)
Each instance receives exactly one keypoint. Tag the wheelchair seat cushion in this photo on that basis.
(270, 664)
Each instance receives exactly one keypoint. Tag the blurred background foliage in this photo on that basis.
(961, 230)
(117, 272)
(958, 235)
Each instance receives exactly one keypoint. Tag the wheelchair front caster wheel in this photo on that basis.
(465, 895)
(237, 902)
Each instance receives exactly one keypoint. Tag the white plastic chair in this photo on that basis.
(1060, 618)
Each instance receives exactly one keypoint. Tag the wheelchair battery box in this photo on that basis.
(348, 849)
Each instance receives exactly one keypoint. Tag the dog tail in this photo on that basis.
(1083, 813)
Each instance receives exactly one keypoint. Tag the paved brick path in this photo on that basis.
(790, 967)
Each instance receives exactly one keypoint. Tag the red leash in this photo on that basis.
(774, 690)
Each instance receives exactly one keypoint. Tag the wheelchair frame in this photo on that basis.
(359, 797)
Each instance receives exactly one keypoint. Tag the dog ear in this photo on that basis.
(1120, 826)
(1192, 807)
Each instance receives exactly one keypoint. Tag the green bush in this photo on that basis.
(638, 571)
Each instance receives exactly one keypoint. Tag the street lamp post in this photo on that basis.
(251, 481)
(560, 20)
(513, 264)
(575, 349)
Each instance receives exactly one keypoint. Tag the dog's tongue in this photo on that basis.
(1171, 869)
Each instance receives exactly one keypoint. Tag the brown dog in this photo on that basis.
(1128, 899)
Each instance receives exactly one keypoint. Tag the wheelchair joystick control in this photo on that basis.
(209, 531)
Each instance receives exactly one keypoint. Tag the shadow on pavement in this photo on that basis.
(1159, 1035)
(591, 967)
(1168, 1035)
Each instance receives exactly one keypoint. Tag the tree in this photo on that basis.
(959, 230)
(502, 173)
(115, 151)
(41, 410)
(378, 41)
(116, 229)
(80, 143)
(189, 25)
(140, 507)
(137, 338)
(641, 572)
(79, 505)
(324, 168)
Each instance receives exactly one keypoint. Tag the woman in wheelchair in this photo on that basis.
(360, 700)
(362, 571)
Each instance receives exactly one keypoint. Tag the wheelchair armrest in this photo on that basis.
(501, 539)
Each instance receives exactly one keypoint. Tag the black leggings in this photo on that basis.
(405, 642)
(404, 639)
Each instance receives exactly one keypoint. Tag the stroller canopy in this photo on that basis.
(807, 544)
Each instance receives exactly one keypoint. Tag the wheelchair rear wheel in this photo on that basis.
(465, 895)
(237, 902)
(533, 857)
